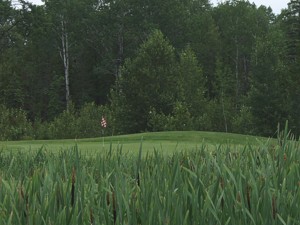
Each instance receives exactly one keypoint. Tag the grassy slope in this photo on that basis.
(166, 141)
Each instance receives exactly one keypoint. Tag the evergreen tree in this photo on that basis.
(240, 24)
(193, 84)
(149, 81)
(292, 28)
(269, 95)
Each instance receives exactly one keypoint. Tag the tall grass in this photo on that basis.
(255, 185)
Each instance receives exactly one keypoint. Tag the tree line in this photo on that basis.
(150, 65)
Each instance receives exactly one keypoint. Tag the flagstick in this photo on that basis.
(102, 138)
(103, 125)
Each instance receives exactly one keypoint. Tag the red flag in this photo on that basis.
(103, 122)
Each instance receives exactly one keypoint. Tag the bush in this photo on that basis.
(211, 119)
(218, 116)
(158, 121)
(64, 125)
(14, 124)
(89, 121)
(179, 120)
(243, 122)
(75, 124)
(41, 130)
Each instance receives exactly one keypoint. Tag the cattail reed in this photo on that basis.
(23, 198)
(238, 197)
(58, 197)
(274, 210)
(91, 217)
(222, 186)
(111, 199)
(73, 186)
(21, 193)
(192, 166)
(248, 191)
(138, 179)
(196, 194)
(222, 183)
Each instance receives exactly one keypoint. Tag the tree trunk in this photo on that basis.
(246, 81)
(237, 70)
(65, 57)
(120, 53)
(223, 111)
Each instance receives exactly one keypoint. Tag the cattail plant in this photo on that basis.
(193, 187)
(222, 187)
(73, 186)
(274, 210)
(91, 217)
(23, 200)
(238, 197)
(248, 193)
(111, 201)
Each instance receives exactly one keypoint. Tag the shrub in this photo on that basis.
(157, 121)
(179, 120)
(243, 122)
(41, 130)
(84, 123)
(14, 124)
(89, 121)
(64, 125)
(218, 116)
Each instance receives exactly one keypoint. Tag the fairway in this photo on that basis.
(165, 142)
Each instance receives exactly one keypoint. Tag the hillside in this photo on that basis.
(162, 141)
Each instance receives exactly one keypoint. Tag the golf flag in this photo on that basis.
(103, 122)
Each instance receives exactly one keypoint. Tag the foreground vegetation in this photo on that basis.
(255, 185)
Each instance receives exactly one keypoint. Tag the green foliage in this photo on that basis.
(65, 125)
(89, 121)
(243, 122)
(41, 130)
(14, 124)
(86, 122)
(192, 82)
(179, 120)
(82, 123)
(158, 121)
(149, 81)
(269, 98)
(239, 23)
(56, 97)
(213, 60)
(204, 39)
(291, 26)
(218, 116)
(11, 91)
(122, 118)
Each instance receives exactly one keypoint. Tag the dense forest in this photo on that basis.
(148, 65)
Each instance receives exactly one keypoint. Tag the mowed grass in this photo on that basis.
(164, 142)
